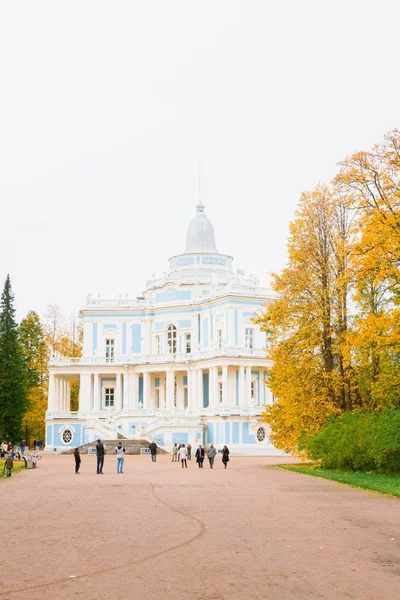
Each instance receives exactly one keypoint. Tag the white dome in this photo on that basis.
(200, 236)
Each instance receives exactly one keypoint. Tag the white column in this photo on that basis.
(162, 391)
(213, 383)
(199, 389)
(96, 392)
(149, 335)
(248, 387)
(127, 389)
(85, 392)
(225, 385)
(62, 394)
(151, 391)
(170, 390)
(133, 391)
(191, 398)
(68, 395)
(241, 387)
(180, 401)
(51, 394)
(146, 389)
(118, 391)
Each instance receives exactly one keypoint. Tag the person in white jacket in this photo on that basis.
(183, 455)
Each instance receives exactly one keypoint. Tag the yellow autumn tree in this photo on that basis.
(335, 325)
(307, 324)
(372, 181)
(36, 355)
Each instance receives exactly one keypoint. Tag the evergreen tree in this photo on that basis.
(12, 370)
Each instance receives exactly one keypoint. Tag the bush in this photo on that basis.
(357, 441)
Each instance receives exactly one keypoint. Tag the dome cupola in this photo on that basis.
(201, 254)
(200, 235)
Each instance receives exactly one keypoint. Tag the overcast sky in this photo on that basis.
(106, 109)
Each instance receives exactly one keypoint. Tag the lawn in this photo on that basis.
(18, 465)
(376, 482)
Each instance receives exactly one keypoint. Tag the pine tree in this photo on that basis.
(12, 370)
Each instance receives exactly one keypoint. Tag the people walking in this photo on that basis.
(189, 452)
(153, 451)
(100, 452)
(120, 451)
(22, 446)
(8, 466)
(225, 455)
(212, 453)
(200, 456)
(77, 457)
(174, 453)
(183, 456)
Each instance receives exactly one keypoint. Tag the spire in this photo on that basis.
(200, 207)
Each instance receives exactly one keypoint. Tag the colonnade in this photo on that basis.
(176, 388)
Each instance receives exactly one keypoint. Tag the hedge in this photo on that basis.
(357, 441)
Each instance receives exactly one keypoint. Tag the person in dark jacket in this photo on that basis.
(100, 451)
(189, 452)
(153, 451)
(77, 457)
(8, 465)
(200, 456)
(225, 455)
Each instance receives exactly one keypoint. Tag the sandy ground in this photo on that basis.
(160, 532)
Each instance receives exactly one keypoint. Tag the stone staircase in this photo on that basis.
(131, 446)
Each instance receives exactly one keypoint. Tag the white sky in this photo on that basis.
(106, 108)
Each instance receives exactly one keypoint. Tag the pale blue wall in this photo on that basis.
(77, 439)
(180, 438)
(246, 437)
(136, 338)
(235, 433)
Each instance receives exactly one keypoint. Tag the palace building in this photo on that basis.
(184, 363)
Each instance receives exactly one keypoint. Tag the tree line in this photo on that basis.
(334, 328)
(25, 352)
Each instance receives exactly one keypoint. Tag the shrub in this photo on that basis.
(357, 441)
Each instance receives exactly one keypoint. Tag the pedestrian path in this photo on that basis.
(160, 531)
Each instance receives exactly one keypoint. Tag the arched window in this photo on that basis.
(171, 339)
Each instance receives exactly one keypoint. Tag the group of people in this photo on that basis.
(100, 454)
(18, 450)
(9, 453)
(183, 453)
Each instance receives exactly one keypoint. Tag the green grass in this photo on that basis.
(18, 466)
(376, 482)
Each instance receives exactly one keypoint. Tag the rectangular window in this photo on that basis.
(188, 338)
(157, 398)
(220, 392)
(219, 338)
(248, 338)
(109, 397)
(158, 344)
(253, 390)
(109, 350)
(186, 396)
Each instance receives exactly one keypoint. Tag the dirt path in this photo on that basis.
(157, 531)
